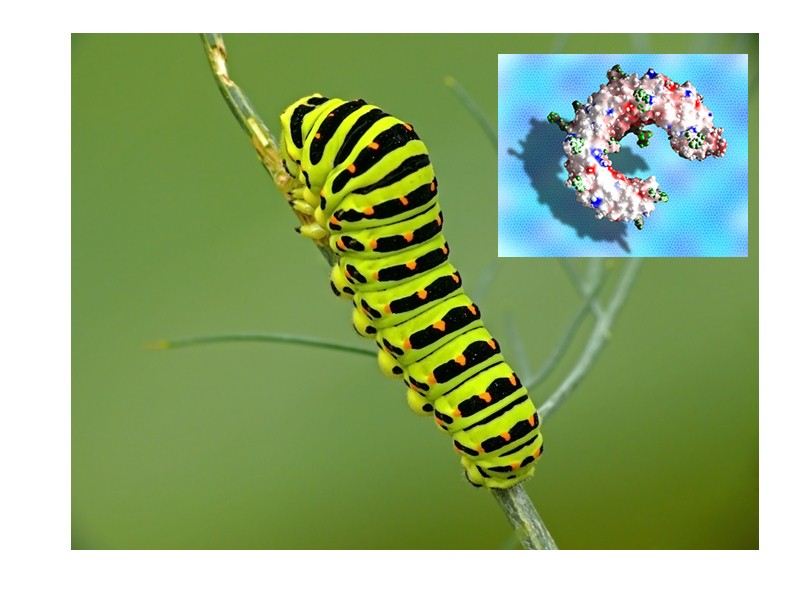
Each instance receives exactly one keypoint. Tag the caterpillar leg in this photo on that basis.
(418, 403)
(339, 284)
(313, 231)
(302, 207)
(500, 478)
(363, 325)
(388, 365)
(478, 478)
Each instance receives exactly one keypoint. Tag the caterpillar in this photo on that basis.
(367, 179)
(627, 104)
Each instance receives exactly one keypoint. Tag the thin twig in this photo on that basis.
(476, 112)
(582, 286)
(517, 345)
(569, 334)
(288, 338)
(487, 277)
(597, 340)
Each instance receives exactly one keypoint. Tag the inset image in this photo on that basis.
(623, 155)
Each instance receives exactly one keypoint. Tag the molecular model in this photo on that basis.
(628, 104)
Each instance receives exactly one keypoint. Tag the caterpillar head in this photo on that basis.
(296, 122)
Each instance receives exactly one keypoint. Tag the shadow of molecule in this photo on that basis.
(543, 158)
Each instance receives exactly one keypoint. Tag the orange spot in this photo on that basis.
(537, 452)
(373, 145)
(404, 201)
(486, 397)
(373, 244)
(352, 168)
(364, 310)
(375, 275)
(334, 220)
(341, 246)
(492, 344)
(506, 436)
(387, 309)
(422, 294)
(445, 250)
(480, 449)
(531, 420)
(439, 325)
(438, 220)
(473, 309)
(411, 265)
(433, 186)
(461, 359)
(439, 423)
(407, 126)
(431, 378)
(369, 211)
(407, 344)
(455, 278)
(514, 466)
(408, 236)
(331, 115)
(317, 136)
(513, 380)
(456, 413)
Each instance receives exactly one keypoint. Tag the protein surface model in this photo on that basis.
(628, 103)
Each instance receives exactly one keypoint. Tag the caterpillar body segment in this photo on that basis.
(453, 363)
(369, 182)
(374, 273)
(391, 238)
(395, 304)
(359, 211)
(416, 338)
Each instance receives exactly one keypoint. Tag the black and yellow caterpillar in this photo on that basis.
(367, 179)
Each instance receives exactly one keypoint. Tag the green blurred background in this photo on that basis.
(177, 231)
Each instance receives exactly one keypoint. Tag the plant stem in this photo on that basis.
(243, 110)
(260, 136)
(288, 338)
(485, 282)
(581, 285)
(597, 339)
(571, 331)
(528, 525)
(517, 345)
(476, 112)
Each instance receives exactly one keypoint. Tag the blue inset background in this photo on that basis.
(538, 215)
